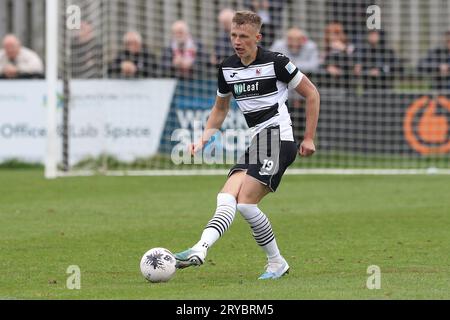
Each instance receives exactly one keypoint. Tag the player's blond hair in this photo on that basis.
(248, 17)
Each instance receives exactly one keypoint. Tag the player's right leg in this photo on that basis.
(216, 227)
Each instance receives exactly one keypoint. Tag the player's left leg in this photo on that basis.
(264, 177)
(251, 193)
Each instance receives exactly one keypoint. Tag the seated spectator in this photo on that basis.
(271, 13)
(135, 61)
(437, 64)
(184, 58)
(305, 55)
(376, 63)
(17, 61)
(337, 61)
(86, 53)
(223, 48)
(302, 51)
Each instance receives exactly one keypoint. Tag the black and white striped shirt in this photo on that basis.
(261, 89)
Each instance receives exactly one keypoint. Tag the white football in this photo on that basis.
(158, 265)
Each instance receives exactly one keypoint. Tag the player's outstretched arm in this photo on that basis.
(309, 91)
(216, 118)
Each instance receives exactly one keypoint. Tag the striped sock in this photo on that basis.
(216, 227)
(262, 229)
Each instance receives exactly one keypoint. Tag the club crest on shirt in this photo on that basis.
(258, 71)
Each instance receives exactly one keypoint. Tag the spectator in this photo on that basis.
(305, 55)
(17, 61)
(352, 14)
(86, 55)
(223, 47)
(375, 63)
(135, 61)
(271, 12)
(302, 51)
(437, 64)
(338, 57)
(184, 58)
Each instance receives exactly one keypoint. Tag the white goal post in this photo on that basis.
(52, 87)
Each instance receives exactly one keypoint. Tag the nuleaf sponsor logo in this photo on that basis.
(242, 88)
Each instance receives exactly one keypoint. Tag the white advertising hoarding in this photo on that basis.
(124, 118)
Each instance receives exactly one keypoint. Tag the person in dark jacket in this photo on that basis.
(375, 62)
(271, 12)
(135, 61)
(437, 64)
(222, 47)
(338, 57)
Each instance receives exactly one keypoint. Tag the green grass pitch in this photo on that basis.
(329, 228)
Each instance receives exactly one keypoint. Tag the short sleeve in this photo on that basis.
(223, 89)
(286, 71)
